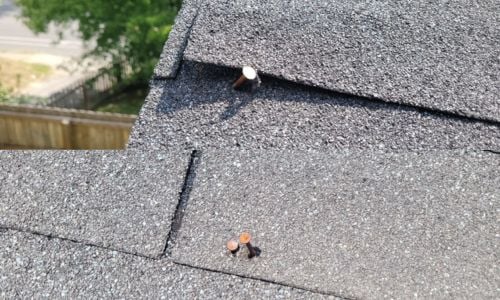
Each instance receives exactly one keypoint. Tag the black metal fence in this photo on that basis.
(90, 92)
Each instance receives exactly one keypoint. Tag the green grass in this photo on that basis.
(129, 102)
(14, 75)
(41, 69)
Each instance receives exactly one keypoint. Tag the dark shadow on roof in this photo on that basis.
(202, 84)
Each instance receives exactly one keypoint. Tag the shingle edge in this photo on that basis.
(173, 50)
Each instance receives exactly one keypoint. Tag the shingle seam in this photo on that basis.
(492, 151)
(82, 243)
(158, 81)
(176, 221)
(266, 281)
(50, 237)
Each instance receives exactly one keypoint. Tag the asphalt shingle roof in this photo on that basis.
(119, 200)
(443, 55)
(372, 86)
(355, 224)
(34, 266)
(173, 51)
(200, 110)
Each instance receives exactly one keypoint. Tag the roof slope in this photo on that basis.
(103, 198)
(437, 95)
(38, 267)
(362, 225)
(443, 55)
(200, 110)
(365, 223)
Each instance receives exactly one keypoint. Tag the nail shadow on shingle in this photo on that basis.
(200, 108)
(193, 87)
(202, 84)
(233, 108)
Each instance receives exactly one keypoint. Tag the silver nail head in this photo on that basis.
(249, 73)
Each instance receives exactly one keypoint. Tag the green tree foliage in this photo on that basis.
(8, 97)
(4, 94)
(133, 31)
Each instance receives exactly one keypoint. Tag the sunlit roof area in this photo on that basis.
(251, 149)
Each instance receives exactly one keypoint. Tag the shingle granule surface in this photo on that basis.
(200, 110)
(443, 55)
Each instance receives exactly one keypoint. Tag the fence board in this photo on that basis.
(53, 128)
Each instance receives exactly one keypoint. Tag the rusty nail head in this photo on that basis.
(245, 239)
(232, 246)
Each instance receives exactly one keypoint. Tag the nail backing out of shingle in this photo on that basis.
(249, 75)
(192, 111)
(374, 224)
(438, 55)
(34, 265)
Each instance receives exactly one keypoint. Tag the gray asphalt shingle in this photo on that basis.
(357, 224)
(173, 50)
(442, 55)
(199, 109)
(120, 200)
(37, 267)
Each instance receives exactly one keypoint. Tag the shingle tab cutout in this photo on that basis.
(33, 267)
(119, 200)
(362, 225)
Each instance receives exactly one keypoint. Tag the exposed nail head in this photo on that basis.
(248, 73)
(232, 246)
(245, 238)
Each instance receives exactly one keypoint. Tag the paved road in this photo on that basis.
(17, 40)
(15, 36)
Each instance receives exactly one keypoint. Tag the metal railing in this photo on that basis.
(90, 92)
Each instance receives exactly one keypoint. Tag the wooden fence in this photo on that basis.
(30, 127)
